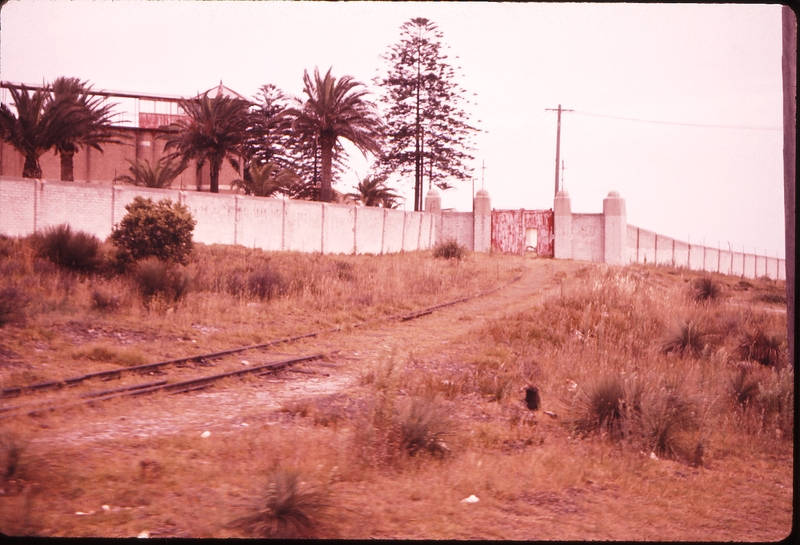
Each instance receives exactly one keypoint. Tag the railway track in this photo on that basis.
(181, 384)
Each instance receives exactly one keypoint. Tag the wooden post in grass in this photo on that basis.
(789, 69)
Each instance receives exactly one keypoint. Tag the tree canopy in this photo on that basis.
(334, 109)
(41, 122)
(372, 191)
(214, 130)
(428, 129)
(94, 127)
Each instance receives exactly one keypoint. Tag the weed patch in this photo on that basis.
(13, 302)
(449, 250)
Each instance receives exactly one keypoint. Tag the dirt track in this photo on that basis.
(239, 403)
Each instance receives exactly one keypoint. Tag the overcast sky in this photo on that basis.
(718, 66)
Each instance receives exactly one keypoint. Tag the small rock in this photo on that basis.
(653, 456)
(472, 499)
(144, 535)
(245, 425)
(550, 414)
(205, 434)
(245, 362)
(106, 509)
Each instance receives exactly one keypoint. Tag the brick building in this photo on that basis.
(139, 120)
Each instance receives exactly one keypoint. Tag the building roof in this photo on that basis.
(223, 91)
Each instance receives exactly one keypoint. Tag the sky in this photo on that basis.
(677, 107)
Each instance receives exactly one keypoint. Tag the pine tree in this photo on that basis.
(429, 133)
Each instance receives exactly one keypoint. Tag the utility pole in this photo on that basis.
(558, 139)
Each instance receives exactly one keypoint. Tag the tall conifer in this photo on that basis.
(429, 132)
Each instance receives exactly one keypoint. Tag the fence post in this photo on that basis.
(673, 252)
(638, 231)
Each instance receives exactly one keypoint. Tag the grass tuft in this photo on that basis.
(76, 251)
(449, 250)
(663, 420)
(757, 345)
(422, 425)
(12, 305)
(11, 451)
(706, 290)
(289, 508)
(688, 337)
(264, 283)
(601, 407)
(155, 277)
(104, 301)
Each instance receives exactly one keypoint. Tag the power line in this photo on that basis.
(744, 127)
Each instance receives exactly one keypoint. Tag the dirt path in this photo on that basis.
(237, 404)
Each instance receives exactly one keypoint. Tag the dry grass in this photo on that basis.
(682, 444)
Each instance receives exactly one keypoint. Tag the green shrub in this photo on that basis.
(290, 508)
(162, 230)
(76, 251)
(158, 278)
(12, 304)
(449, 250)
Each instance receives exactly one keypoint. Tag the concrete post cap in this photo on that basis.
(432, 192)
(482, 193)
(562, 193)
(614, 194)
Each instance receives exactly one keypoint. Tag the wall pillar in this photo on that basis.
(562, 225)
(482, 222)
(433, 204)
(615, 229)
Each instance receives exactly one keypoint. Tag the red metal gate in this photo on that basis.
(513, 230)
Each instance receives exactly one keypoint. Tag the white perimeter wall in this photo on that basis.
(645, 246)
(458, 226)
(271, 224)
(588, 243)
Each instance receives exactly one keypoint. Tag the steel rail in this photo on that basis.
(174, 387)
(116, 373)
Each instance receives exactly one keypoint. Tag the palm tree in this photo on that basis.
(40, 124)
(335, 109)
(159, 176)
(265, 180)
(213, 131)
(94, 127)
(372, 191)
